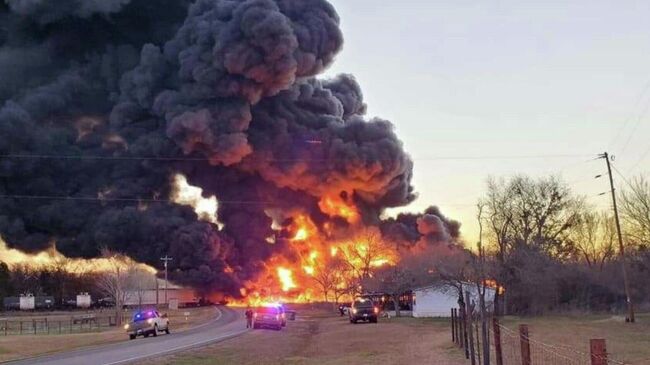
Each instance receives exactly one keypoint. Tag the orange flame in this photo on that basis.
(335, 206)
(286, 278)
(51, 257)
(303, 228)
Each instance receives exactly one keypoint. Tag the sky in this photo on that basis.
(475, 87)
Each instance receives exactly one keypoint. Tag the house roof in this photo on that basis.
(437, 286)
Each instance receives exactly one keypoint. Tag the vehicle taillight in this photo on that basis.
(376, 310)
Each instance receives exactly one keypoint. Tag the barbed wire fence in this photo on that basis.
(509, 346)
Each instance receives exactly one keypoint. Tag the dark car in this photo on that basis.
(363, 310)
(268, 317)
(291, 314)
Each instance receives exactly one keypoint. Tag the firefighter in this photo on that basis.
(249, 317)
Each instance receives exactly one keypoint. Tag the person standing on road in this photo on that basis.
(249, 317)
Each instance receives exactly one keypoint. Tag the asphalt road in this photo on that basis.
(228, 323)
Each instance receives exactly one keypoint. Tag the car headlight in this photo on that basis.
(126, 326)
(150, 320)
(354, 311)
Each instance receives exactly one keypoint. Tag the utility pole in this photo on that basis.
(626, 283)
(166, 260)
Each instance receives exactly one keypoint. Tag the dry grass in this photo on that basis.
(625, 342)
(18, 347)
(320, 337)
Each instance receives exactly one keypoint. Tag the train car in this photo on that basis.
(11, 303)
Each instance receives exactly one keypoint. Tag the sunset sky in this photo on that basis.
(474, 88)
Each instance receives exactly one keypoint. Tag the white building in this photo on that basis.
(152, 292)
(437, 300)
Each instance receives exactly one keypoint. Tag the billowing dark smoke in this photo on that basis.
(430, 227)
(222, 91)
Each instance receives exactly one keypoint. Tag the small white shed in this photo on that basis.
(437, 300)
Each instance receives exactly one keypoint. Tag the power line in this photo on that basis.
(636, 126)
(131, 200)
(631, 116)
(627, 181)
(204, 159)
(643, 156)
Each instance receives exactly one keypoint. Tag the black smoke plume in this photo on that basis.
(222, 91)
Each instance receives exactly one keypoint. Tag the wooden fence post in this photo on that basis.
(458, 327)
(468, 311)
(598, 352)
(498, 351)
(478, 343)
(525, 344)
(464, 341)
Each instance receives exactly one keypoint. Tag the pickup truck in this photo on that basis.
(147, 323)
(363, 310)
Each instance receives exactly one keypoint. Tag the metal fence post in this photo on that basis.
(525, 344)
(598, 351)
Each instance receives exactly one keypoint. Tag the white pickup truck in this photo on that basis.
(147, 323)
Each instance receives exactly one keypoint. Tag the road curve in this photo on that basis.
(227, 324)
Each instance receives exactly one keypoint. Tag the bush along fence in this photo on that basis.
(500, 345)
(76, 324)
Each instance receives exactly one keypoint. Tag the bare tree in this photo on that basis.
(595, 238)
(531, 212)
(114, 282)
(393, 280)
(480, 269)
(635, 209)
(344, 281)
(329, 275)
(138, 281)
(368, 250)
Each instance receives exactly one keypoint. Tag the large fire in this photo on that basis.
(319, 256)
(52, 258)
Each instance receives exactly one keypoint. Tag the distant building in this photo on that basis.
(152, 292)
(437, 300)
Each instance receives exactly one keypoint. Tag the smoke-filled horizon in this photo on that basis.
(224, 92)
